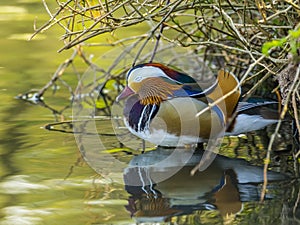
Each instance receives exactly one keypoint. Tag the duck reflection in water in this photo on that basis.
(159, 192)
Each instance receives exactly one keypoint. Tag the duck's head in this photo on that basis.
(153, 83)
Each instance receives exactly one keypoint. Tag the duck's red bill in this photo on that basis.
(125, 93)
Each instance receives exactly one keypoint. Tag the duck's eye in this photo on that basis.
(138, 78)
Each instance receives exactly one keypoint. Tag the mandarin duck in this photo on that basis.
(162, 106)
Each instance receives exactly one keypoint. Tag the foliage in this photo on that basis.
(291, 40)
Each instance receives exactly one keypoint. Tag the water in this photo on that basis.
(44, 180)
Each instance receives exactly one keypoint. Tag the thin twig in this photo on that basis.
(74, 41)
(52, 17)
(60, 70)
(295, 108)
(153, 30)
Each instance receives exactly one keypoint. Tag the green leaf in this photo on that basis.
(271, 44)
(294, 34)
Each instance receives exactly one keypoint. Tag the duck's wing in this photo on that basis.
(244, 106)
(226, 92)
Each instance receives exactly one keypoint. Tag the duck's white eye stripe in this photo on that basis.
(138, 78)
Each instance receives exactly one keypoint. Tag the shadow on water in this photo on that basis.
(224, 187)
(14, 132)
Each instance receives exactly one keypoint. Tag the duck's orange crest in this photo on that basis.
(154, 90)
